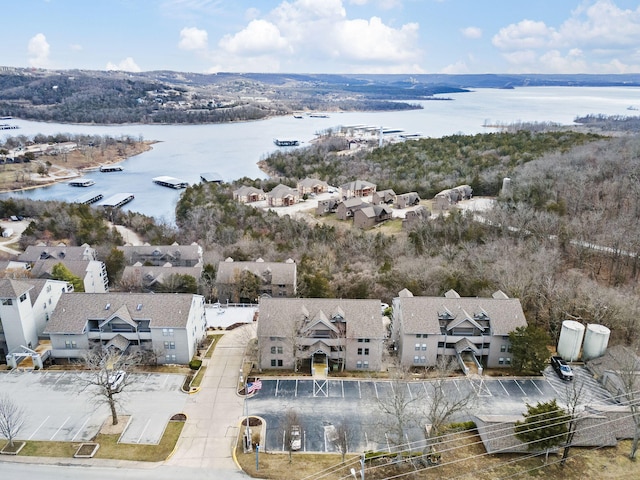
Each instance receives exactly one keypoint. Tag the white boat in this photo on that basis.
(85, 182)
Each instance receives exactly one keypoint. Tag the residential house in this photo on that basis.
(26, 306)
(274, 279)
(405, 200)
(357, 188)
(614, 369)
(159, 255)
(282, 196)
(384, 196)
(464, 329)
(415, 217)
(371, 215)
(346, 208)
(60, 252)
(154, 279)
(327, 206)
(325, 333)
(447, 198)
(307, 186)
(246, 194)
(93, 273)
(165, 327)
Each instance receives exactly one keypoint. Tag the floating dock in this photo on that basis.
(170, 182)
(89, 198)
(111, 168)
(85, 182)
(286, 143)
(117, 200)
(6, 126)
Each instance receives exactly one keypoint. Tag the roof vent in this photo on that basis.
(139, 307)
(107, 306)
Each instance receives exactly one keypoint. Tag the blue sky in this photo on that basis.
(324, 36)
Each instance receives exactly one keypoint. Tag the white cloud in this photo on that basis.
(523, 35)
(472, 32)
(75, 47)
(318, 36)
(126, 65)
(259, 37)
(38, 50)
(192, 38)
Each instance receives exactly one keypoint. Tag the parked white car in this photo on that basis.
(115, 380)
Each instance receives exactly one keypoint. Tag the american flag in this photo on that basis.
(254, 386)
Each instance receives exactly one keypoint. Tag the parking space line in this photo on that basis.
(534, 384)
(39, 426)
(166, 379)
(143, 430)
(426, 392)
(60, 428)
(409, 389)
(359, 390)
(295, 392)
(147, 379)
(523, 392)
(375, 387)
(277, 385)
(554, 388)
(456, 384)
(59, 378)
(342, 386)
(80, 429)
(503, 387)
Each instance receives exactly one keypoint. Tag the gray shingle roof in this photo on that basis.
(282, 273)
(10, 288)
(278, 316)
(164, 310)
(36, 252)
(420, 314)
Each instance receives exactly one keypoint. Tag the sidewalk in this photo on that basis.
(215, 412)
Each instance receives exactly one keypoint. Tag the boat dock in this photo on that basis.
(86, 182)
(89, 198)
(111, 168)
(170, 182)
(117, 200)
(6, 126)
(286, 143)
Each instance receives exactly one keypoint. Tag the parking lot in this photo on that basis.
(59, 407)
(322, 406)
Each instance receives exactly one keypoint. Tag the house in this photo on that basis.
(407, 200)
(92, 273)
(164, 327)
(384, 196)
(247, 194)
(275, 279)
(327, 206)
(447, 198)
(370, 215)
(465, 329)
(616, 369)
(357, 188)
(60, 252)
(26, 306)
(159, 255)
(152, 279)
(282, 196)
(308, 186)
(415, 217)
(326, 333)
(346, 208)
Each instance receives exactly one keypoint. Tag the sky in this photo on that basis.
(324, 36)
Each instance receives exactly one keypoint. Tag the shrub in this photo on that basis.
(195, 364)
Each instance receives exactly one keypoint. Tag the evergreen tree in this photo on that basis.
(544, 426)
(529, 348)
(61, 272)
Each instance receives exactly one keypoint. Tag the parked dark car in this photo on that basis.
(562, 368)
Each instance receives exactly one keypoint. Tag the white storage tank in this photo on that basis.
(570, 340)
(596, 340)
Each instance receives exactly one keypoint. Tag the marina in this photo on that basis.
(286, 143)
(117, 200)
(86, 182)
(111, 168)
(170, 182)
(89, 198)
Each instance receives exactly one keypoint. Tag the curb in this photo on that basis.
(175, 447)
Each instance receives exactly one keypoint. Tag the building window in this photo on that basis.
(365, 364)
(359, 351)
(170, 358)
(418, 335)
(507, 361)
(440, 344)
(416, 359)
(23, 297)
(501, 361)
(170, 345)
(358, 364)
(7, 301)
(417, 346)
(364, 340)
(273, 362)
(503, 348)
(167, 332)
(275, 350)
(509, 348)
(424, 346)
(423, 359)
(366, 351)
(70, 344)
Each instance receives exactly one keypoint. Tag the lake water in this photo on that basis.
(233, 150)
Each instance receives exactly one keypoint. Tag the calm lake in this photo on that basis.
(233, 150)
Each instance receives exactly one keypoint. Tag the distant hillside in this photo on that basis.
(79, 96)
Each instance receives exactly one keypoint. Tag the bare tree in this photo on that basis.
(629, 375)
(573, 399)
(342, 435)
(291, 432)
(12, 418)
(109, 375)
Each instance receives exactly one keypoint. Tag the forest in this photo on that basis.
(564, 239)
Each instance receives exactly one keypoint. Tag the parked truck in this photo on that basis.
(562, 368)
